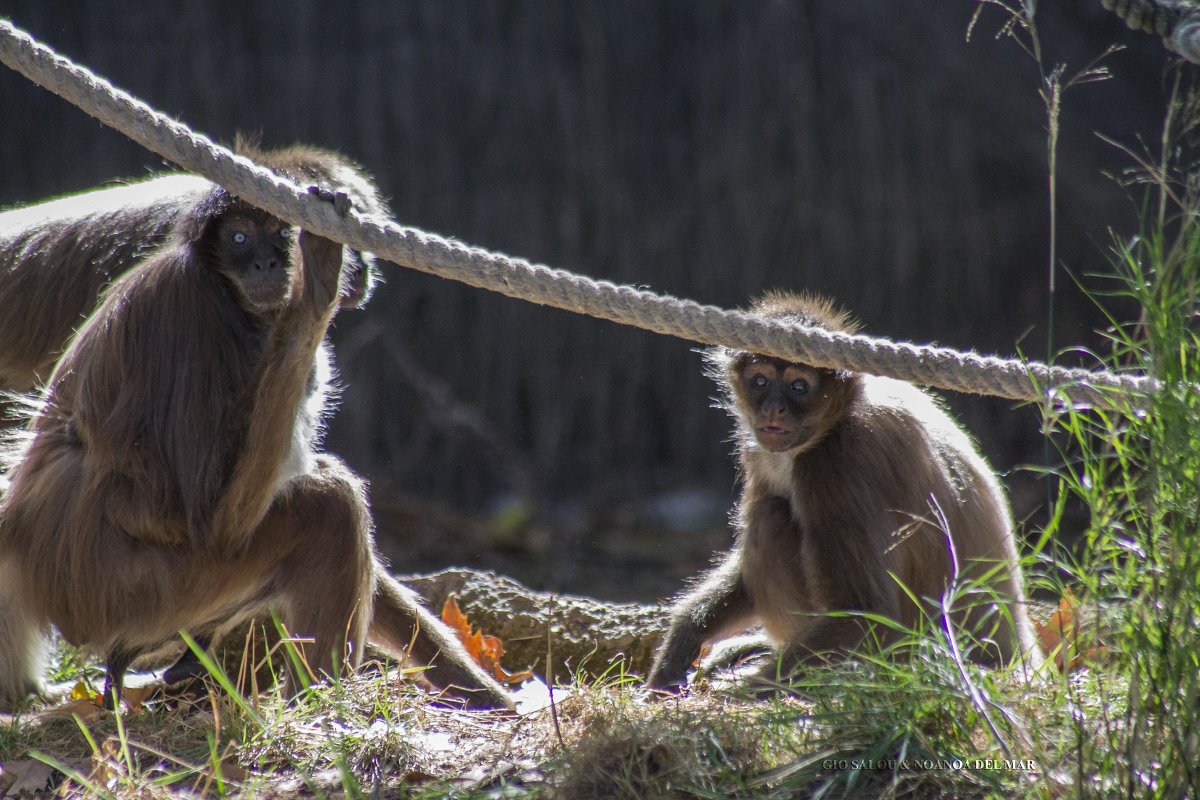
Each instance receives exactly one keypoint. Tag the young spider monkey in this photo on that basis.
(854, 488)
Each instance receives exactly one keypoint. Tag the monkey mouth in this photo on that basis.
(774, 437)
(266, 295)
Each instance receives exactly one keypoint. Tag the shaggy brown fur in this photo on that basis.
(57, 256)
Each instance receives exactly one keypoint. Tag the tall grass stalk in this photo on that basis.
(1137, 468)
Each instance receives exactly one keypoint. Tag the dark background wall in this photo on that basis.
(708, 150)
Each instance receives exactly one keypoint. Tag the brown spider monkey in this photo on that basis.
(58, 256)
(847, 481)
(171, 478)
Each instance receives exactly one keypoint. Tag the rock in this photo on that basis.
(587, 636)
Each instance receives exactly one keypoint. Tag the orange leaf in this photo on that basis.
(1060, 635)
(1055, 635)
(485, 649)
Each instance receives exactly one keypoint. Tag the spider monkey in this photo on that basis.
(853, 488)
(172, 480)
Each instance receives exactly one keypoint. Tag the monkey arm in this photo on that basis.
(848, 567)
(279, 387)
(717, 603)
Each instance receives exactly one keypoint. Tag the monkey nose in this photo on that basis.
(266, 265)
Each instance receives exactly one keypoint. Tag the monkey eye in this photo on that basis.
(759, 381)
(799, 386)
(284, 233)
(238, 237)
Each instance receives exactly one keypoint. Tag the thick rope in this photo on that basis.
(1176, 21)
(931, 366)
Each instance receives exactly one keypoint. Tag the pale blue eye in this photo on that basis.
(238, 237)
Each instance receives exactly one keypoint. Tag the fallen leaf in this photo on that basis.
(106, 767)
(485, 649)
(418, 776)
(82, 691)
(135, 697)
(24, 776)
(1061, 636)
(83, 707)
(233, 772)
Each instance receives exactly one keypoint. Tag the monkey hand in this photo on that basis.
(667, 682)
(322, 259)
(340, 199)
(666, 691)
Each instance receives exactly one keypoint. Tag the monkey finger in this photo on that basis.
(672, 691)
(339, 198)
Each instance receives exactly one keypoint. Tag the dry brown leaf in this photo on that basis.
(24, 776)
(135, 697)
(233, 772)
(485, 649)
(106, 764)
(82, 702)
(415, 776)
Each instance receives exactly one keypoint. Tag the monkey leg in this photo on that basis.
(405, 627)
(187, 667)
(115, 664)
(310, 560)
(397, 620)
(717, 604)
(326, 514)
(827, 640)
(22, 651)
(323, 588)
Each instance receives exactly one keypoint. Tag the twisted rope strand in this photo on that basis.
(927, 365)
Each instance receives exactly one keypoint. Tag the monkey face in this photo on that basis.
(254, 253)
(780, 400)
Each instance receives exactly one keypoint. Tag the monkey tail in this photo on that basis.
(402, 625)
(24, 650)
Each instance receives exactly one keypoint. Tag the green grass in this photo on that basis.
(1136, 467)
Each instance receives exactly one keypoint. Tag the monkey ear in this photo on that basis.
(193, 225)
